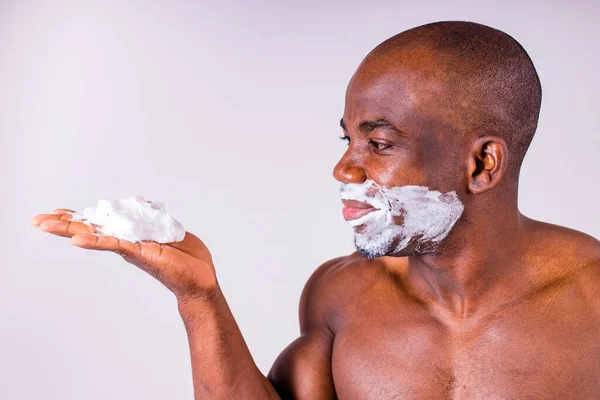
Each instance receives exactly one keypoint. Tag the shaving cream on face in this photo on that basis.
(428, 216)
(132, 219)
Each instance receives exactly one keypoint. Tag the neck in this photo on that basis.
(477, 269)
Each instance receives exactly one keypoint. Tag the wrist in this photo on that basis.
(193, 306)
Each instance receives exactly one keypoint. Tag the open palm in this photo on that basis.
(184, 267)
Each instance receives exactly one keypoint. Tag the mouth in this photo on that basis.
(354, 210)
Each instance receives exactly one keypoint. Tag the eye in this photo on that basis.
(379, 146)
(345, 139)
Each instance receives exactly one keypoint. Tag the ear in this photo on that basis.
(488, 161)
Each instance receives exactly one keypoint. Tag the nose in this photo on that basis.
(347, 171)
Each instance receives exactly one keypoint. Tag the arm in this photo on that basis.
(303, 370)
(222, 365)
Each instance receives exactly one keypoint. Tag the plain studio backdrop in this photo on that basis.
(228, 113)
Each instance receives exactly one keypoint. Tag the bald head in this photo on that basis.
(485, 83)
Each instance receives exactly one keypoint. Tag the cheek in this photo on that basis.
(441, 167)
(399, 169)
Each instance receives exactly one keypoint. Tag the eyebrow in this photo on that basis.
(371, 125)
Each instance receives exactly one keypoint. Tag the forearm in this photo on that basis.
(222, 366)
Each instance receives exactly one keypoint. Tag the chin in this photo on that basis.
(394, 248)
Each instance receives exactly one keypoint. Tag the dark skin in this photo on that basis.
(507, 308)
(504, 308)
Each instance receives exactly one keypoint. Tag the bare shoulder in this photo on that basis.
(303, 369)
(566, 244)
(575, 253)
(332, 286)
(584, 250)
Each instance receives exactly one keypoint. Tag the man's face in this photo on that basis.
(403, 158)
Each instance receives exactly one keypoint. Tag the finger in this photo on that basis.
(147, 252)
(191, 244)
(173, 267)
(65, 228)
(91, 241)
(38, 219)
(63, 211)
(183, 245)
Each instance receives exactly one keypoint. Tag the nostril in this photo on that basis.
(350, 174)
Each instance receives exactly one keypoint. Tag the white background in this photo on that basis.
(229, 113)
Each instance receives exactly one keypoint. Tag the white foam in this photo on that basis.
(427, 216)
(132, 219)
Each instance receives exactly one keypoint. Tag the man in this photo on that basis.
(453, 293)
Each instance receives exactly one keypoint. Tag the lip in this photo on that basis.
(356, 209)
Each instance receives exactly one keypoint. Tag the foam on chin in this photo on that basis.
(132, 219)
(427, 214)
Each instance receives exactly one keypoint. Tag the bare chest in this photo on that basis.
(527, 352)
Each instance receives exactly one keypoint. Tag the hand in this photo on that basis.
(185, 267)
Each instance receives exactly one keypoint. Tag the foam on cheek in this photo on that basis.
(426, 213)
(133, 219)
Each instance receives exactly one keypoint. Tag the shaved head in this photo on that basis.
(485, 82)
(451, 107)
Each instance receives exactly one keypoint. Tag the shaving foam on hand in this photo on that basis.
(132, 219)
